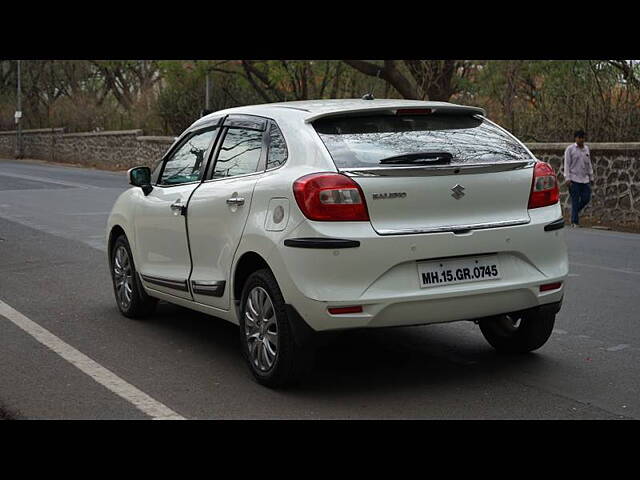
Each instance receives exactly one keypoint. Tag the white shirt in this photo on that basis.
(577, 164)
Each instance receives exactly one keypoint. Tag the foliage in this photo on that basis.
(536, 100)
(548, 100)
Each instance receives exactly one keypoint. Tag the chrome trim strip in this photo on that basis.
(166, 282)
(453, 228)
(177, 184)
(435, 170)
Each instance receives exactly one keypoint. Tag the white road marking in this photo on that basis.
(607, 233)
(574, 275)
(45, 180)
(620, 270)
(106, 378)
(86, 213)
(617, 348)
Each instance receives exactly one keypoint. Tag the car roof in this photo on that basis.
(310, 110)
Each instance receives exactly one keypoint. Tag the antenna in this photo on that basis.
(369, 96)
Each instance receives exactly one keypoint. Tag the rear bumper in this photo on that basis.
(304, 334)
(381, 275)
(427, 309)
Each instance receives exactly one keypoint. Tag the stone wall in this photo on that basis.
(38, 143)
(117, 150)
(616, 192)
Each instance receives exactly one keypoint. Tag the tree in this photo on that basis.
(126, 80)
(542, 100)
(282, 80)
(435, 80)
(547, 100)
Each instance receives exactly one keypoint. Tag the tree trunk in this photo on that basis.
(390, 73)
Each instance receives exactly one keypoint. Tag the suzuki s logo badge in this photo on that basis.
(458, 192)
(382, 196)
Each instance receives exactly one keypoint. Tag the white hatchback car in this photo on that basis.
(295, 218)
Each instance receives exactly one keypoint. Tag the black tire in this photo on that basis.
(140, 304)
(518, 333)
(292, 359)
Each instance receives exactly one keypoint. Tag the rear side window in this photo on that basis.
(365, 141)
(239, 154)
(277, 148)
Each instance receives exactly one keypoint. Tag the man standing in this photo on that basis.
(578, 174)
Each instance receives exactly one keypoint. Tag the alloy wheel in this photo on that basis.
(261, 329)
(123, 277)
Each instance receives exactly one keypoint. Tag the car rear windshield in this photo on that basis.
(364, 141)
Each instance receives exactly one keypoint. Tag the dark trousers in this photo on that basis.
(580, 197)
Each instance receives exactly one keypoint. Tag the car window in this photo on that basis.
(277, 148)
(187, 162)
(365, 141)
(239, 153)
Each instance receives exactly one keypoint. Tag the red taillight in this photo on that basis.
(330, 197)
(343, 310)
(544, 189)
(550, 286)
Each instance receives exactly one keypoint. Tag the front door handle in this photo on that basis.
(178, 207)
(235, 201)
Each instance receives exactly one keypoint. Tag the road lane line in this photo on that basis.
(619, 270)
(54, 181)
(108, 379)
(606, 233)
(617, 348)
(86, 213)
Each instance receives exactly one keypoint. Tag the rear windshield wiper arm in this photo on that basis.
(424, 158)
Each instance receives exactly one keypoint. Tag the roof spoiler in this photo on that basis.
(450, 109)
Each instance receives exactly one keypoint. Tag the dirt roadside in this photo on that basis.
(5, 415)
(589, 222)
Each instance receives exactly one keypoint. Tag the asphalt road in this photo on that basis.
(53, 270)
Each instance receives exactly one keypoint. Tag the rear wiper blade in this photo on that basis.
(424, 158)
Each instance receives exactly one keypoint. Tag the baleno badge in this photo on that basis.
(382, 196)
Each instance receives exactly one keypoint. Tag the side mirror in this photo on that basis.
(140, 177)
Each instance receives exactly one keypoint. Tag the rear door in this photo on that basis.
(429, 173)
(160, 226)
(219, 209)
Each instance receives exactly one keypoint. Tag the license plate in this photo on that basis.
(462, 270)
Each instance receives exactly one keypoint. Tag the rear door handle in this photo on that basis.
(235, 201)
